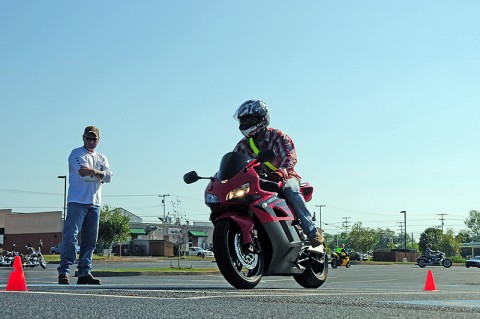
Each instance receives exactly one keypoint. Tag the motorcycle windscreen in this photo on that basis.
(231, 164)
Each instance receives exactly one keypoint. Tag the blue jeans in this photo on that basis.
(291, 189)
(81, 219)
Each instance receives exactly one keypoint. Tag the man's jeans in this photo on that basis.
(83, 220)
(291, 189)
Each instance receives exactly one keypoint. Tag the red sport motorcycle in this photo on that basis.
(256, 232)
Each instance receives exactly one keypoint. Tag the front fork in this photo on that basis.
(250, 241)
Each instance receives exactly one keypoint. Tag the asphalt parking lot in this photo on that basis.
(376, 291)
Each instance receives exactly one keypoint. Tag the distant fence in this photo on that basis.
(395, 255)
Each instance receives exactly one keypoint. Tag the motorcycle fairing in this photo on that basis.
(272, 209)
(284, 251)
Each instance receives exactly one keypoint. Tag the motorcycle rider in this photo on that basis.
(341, 252)
(254, 119)
(431, 254)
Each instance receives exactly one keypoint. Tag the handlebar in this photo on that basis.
(270, 186)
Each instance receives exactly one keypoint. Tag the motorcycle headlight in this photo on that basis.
(210, 198)
(239, 191)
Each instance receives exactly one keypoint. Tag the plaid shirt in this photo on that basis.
(281, 143)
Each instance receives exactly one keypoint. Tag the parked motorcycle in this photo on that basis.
(439, 260)
(256, 233)
(34, 257)
(9, 256)
(338, 262)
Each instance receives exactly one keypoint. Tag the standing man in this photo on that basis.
(88, 170)
(254, 119)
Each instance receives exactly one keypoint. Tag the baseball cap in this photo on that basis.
(91, 130)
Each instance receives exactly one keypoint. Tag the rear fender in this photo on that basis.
(246, 226)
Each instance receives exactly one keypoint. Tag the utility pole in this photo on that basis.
(345, 223)
(64, 177)
(400, 224)
(405, 229)
(442, 219)
(164, 204)
(320, 213)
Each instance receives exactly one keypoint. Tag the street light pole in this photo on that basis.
(405, 229)
(64, 199)
(320, 213)
(164, 204)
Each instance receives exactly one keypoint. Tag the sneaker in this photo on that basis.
(316, 240)
(88, 280)
(63, 279)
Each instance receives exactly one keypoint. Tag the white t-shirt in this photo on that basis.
(87, 189)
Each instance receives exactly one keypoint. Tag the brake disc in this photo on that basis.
(249, 260)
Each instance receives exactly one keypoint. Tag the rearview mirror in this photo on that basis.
(191, 177)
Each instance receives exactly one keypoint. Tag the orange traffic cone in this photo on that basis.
(430, 283)
(17, 282)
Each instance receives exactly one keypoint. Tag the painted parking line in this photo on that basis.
(441, 303)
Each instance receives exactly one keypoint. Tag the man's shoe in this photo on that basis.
(316, 240)
(88, 280)
(63, 279)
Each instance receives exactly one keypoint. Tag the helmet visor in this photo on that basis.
(248, 120)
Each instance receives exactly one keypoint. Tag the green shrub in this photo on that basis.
(457, 259)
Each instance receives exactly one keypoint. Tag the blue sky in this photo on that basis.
(380, 97)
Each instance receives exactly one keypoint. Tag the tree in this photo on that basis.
(386, 239)
(445, 242)
(448, 244)
(114, 227)
(361, 238)
(463, 236)
(431, 236)
(473, 224)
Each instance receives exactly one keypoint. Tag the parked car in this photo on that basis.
(354, 256)
(473, 262)
(57, 249)
(199, 252)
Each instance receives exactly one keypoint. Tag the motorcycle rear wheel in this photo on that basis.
(422, 262)
(241, 270)
(316, 272)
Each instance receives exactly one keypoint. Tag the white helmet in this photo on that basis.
(253, 117)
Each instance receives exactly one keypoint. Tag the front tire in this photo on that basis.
(447, 263)
(334, 263)
(316, 271)
(42, 262)
(242, 270)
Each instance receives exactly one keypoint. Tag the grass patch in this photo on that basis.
(56, 258)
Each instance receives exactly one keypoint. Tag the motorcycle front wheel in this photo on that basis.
(447, 263)
(334, 263)
(241, 269)
(43, 263)
(315, 273)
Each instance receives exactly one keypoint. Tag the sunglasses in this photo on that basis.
(91, 139)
